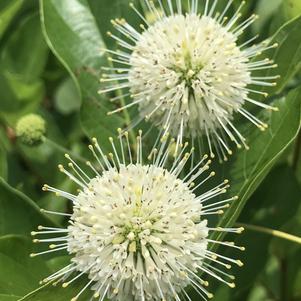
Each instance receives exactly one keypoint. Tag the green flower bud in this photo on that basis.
(30, 129)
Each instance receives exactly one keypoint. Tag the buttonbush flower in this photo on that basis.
(139, 229)
(187, 72)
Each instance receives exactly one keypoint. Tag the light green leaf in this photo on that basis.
(248, 168)
(19, 274)
(8, 9)
(67, 99)
(18, 213)
(292, 8)
(71, 32)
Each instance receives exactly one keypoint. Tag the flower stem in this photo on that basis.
(272, 232)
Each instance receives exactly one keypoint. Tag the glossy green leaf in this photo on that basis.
(248, 168)
(8, 10)
(72, 34)
(18, 214)
(19, 274)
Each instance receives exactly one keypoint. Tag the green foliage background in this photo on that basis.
(50, 59)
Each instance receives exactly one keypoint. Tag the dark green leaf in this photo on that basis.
(271, 206)
(19, 274)
(49, 292)
(3, 163)
(106, 10)
(57, 293)
(18, 214)
(4, 297)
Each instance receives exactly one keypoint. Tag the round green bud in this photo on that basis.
(30, 129)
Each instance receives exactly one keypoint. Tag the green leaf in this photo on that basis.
(8, 9)
(29, 63)
(49, 292)
(4, 297)
(18, 213)
(265, 10)
(274, 203)
(20, 71)
(58, 263)
(71, 32)
(67, 99)
(106, 10)
(17, 97)
(3, 162)
(287, 55)
(19, 274)
(248, 168)
(292, 8)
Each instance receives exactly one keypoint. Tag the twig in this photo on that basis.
(272, 232)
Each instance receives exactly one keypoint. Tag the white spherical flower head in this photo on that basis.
(139, 231)
(187, 72)
(146, 223)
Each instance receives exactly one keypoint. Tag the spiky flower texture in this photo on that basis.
(187, 73)
(138, 230)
